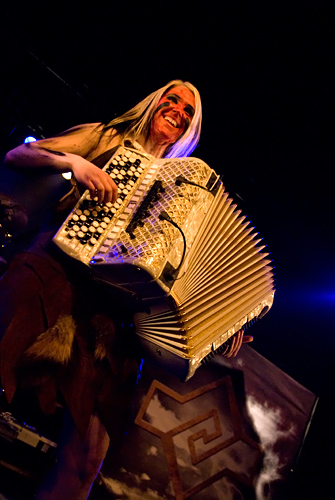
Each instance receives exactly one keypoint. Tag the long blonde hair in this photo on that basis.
(136, 121)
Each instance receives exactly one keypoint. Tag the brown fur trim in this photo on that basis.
(105, 336)
(55, 344)
(100, 352)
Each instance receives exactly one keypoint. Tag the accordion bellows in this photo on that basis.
(176, 241)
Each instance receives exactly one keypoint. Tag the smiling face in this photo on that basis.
(173, 115)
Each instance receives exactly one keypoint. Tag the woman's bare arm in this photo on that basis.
(70, 151)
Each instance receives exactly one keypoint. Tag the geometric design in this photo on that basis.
(202, 443)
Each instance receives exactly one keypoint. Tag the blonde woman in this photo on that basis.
(59, 332)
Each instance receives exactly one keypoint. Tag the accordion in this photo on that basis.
(177, 243)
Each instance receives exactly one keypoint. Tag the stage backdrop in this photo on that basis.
(233, 431)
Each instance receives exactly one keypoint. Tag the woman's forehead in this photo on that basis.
(182, 92)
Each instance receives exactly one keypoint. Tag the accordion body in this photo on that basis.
(176, 243)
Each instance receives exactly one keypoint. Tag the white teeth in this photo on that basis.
(172, 121)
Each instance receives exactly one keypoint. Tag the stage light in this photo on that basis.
(30, 138)
(67, 175)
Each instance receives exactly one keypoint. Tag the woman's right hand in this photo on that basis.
(93, 178)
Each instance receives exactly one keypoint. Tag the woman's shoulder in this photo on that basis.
(107, 138)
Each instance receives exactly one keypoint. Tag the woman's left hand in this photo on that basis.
(235, 344)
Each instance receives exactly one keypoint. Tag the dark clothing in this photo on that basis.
(63, 336)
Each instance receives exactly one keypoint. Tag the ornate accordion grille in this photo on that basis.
(155, 239)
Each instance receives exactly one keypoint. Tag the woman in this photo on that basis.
(55, 340)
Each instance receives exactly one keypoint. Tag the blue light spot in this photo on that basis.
(139, 371)
(30, 139)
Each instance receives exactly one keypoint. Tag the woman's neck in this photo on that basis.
(152, 147)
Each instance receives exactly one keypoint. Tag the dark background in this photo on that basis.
(265, 71)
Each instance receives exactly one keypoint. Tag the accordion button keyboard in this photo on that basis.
(91, 222)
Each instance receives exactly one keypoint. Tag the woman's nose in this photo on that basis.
(179, 108)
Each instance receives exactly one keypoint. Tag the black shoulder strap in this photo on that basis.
(101, 160)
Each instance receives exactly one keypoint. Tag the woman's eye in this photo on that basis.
(172, 99)
(190, 111)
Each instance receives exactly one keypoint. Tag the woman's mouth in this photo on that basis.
(172, 121)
